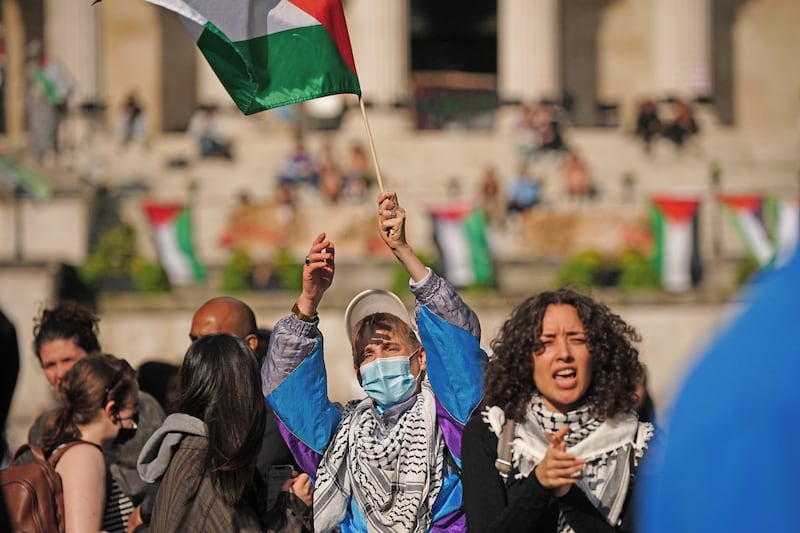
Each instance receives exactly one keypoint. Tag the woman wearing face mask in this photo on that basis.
(100, 407)
(562, 384)
(390, 461)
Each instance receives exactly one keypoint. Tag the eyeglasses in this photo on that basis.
(134, 418)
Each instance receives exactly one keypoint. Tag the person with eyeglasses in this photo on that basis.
(63, 335)
(99, 407)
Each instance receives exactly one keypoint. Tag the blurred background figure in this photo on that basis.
(331, 181)
(683, 126)
(160, 380)
(547, 130)
(524, 134)
(492, 204)
(524, 191)
(648, 124)
(299, 167)
(206, 129)
(132, 124)
(48, 90)
(358, 175)
(577, 177)
(644, 405)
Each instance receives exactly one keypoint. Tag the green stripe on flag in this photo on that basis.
(278, 69)
(475, 229)
(183, 233)
(657, 219)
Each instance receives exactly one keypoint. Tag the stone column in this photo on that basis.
(682, 47)
(528, 49)
(14, 72)
(379, 34)
(71, 37)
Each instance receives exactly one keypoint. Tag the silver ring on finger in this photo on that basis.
(307, 261)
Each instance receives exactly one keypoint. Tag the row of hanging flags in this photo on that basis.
(768, 227)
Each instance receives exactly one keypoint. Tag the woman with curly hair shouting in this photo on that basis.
(558, 443)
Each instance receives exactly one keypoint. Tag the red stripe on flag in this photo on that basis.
(161, 213)
(451, 211)
(749, 203)
(330, 14)
(677, 209)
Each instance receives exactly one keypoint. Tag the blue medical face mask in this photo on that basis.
(389, 380)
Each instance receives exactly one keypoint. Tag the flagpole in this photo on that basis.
(371, 143)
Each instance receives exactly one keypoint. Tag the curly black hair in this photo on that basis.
(615, 360)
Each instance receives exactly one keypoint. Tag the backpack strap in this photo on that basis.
(503, 461)
(35, 451)
(58, 452)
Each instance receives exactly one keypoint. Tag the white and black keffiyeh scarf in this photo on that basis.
(611, 448)
(395, 479)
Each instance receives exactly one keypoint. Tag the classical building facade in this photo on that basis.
(594, 53)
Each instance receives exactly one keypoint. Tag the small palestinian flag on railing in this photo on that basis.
(677, 255)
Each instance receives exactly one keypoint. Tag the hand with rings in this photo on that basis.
(391, 220)
(317, 274)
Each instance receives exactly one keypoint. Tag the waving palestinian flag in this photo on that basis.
(270, 53)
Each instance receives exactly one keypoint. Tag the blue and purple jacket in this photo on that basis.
(295, 384)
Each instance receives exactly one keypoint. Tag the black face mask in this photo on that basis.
(126, 434)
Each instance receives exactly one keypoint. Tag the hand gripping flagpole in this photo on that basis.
(371, 142)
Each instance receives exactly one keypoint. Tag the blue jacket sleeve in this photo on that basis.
(295, 384)
(450, 333)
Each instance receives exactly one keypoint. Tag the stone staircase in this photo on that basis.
(419, 166)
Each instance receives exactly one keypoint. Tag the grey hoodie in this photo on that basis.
(159, 448)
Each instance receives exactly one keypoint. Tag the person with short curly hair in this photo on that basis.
(564, 374)
(62, 335)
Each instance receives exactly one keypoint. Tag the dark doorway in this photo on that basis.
(451, 35)
(454, 63)
(723, 20)
(580, 22)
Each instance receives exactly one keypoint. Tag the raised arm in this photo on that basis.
(448, 328)
(293, 377)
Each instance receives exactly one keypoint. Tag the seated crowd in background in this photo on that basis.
(335, 181)
(680, 128)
